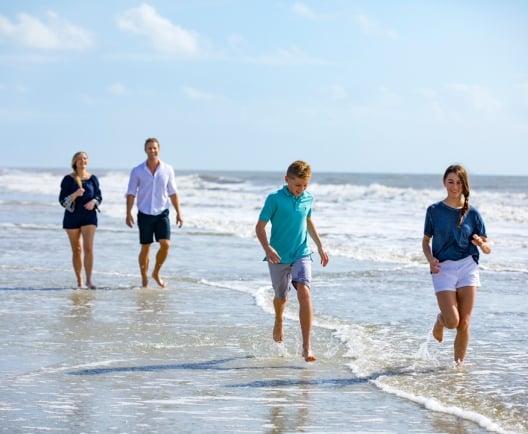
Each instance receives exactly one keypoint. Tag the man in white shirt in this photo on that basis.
(153, 183)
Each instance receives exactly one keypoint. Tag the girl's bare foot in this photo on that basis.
(438, 328)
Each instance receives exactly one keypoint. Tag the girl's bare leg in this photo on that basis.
(466, 300)
(455, 312)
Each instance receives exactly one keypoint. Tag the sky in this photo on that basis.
(349, 86)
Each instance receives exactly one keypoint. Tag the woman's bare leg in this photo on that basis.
(74, 235)
(88, 234)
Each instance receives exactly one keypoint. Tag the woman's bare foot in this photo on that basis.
(438, 328)
(90, 285)
(159, 280)
(308, 356)
(278, 335)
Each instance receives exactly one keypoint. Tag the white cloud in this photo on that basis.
(302, 10)
(196, 94)
(480, 98)
(54, 34)
(117, 89)
(371, 27)
(164, 36)
(286, 56)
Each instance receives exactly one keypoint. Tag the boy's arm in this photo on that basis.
(271, 254)
(312, 231)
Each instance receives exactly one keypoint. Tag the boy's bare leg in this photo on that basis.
(161, 256)
(305, 318)
(143, 260)
(279, 304)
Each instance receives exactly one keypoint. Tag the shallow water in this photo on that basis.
(198, 356)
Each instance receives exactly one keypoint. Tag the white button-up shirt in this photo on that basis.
(152, 191)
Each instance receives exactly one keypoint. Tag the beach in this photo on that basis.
(198, 355)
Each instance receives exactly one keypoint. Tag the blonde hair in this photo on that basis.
(459, 171)
(75, 175)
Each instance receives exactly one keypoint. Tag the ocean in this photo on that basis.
(198, 356)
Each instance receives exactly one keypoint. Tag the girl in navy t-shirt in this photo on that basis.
(453, 233)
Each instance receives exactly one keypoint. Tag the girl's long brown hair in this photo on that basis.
(459, 171)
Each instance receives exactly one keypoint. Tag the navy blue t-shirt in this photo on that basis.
(449, 241)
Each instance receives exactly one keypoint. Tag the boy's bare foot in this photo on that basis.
(438, 329)
(308, 356)
(277, 331)
(158, 279)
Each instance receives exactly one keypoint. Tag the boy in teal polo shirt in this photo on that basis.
(289, 210)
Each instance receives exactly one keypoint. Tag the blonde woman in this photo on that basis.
(454, 231)
(80, 195)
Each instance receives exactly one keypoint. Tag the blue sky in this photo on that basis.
(349, 86)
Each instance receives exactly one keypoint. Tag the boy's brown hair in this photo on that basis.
(299, 169)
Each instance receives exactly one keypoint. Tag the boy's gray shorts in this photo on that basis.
(283, 275)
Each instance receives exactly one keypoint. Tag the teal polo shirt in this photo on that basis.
(288, 214)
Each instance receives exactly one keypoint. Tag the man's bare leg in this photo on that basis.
(161, 256)
(305, 318)
(143, 260)
(279, 304)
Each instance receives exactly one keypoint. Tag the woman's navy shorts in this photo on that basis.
(80, 217)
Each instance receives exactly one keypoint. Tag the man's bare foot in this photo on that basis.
(159, 280)
(438, 329)
(308, 356)
(277, 331)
